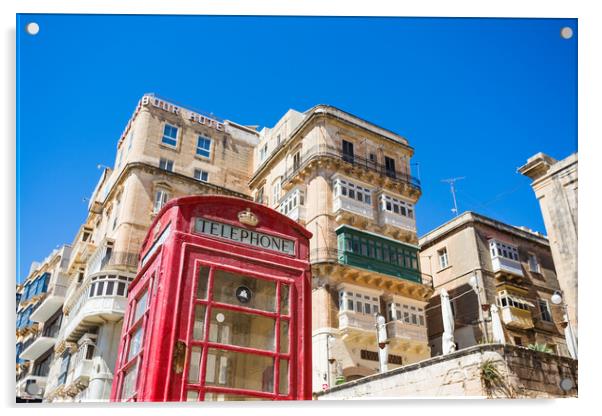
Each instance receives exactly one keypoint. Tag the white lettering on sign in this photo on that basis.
(205, 120)
(192, 116)
(244, 236)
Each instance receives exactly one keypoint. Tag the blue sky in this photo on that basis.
(474, 97)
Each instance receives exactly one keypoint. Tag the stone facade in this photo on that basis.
(348, 181)
(555, 184)
(514, 270)
(482, 371)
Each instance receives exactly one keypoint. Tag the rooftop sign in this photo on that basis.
(191, 115)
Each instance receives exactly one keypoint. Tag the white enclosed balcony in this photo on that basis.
(504, 258)
(352, 198)
(515, 310)
(91, 312)
(396, 212)
(102, 298)
(55, 297)
(293, 205)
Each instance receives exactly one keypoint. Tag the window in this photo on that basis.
(166, 164)
(170, 135)
(42, 366)
(533, 263)
(259, 196)
(358, 302)
(443, 262)
(350, 190)
(544, 310)
(116, 212)
(52, 326)
(518, 341)
(499, 249)
(348, 151)
(296, 161)
(64, 368)
(396, 206)
(383, 254)
(130, 138)
(89, 351)
(201, 175)
(109, 285)
(203, 146)
(263, 152)
(505, 299)
(409, 314)
(161, 198)
(276, 189)
(390, 167)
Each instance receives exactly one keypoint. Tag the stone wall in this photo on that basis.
(517, 373)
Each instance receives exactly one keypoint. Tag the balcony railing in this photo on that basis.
(89, 311)
(100, 259)
(351, 205)
(321, 255)
(403, 331)
(354, 160)
(396, 220)
(120, 258)
(355, 320)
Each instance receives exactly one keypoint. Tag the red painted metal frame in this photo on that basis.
(170, 275)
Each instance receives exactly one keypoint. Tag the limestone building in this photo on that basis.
(165, 152)
(348, 181)
(39, 315)
(555, 184)
(514, 270)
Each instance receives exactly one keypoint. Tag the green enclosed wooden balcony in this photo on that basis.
(383, 255)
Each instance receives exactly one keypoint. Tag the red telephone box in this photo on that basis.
(220, 308)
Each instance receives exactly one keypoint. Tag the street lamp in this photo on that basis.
(557, 299)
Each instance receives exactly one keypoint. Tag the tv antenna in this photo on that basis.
(451, 182)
